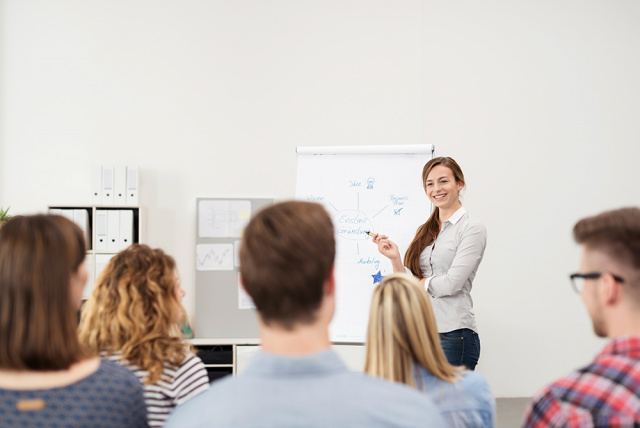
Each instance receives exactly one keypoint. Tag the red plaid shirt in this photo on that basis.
(606, 393)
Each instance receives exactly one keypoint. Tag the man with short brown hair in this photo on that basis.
(286, 263)
(606, 393)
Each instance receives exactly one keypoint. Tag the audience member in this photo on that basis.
(287, 264)
(134, 317)
(605, 393)
(47, 379)
(403, 345)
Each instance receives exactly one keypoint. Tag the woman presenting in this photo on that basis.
(445, 255)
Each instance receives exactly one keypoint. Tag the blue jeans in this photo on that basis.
(461, 347)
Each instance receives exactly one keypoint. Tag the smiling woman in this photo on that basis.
(445, 255)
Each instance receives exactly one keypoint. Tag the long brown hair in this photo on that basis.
(402, 333)
(428, 232)
(134, 309)
(38, 319)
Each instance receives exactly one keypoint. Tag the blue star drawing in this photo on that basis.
(377, 278)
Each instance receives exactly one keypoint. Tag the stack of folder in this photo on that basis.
(114, 230)
(114, 185)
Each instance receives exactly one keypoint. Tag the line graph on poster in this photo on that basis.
(214, 257)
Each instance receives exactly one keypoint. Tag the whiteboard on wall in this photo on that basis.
(364, 188)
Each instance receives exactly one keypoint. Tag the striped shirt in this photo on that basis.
(606, 393)
(176, 386)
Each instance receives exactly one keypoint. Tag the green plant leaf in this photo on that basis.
(4, 214)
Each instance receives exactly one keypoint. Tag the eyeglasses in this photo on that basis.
(578, 279)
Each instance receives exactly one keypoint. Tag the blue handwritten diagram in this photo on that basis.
(363, 193)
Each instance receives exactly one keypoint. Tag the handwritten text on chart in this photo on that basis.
(358, 183)
(398, 200)
(352, 224)
(214, 257)
(370, 261)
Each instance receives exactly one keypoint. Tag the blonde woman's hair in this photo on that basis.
(402, 333)
(134, 309)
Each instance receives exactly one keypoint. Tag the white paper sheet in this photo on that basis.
(223, 219)
(244, 300)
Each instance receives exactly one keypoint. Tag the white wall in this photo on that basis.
(538, 101)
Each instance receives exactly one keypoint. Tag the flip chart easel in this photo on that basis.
(364, 188)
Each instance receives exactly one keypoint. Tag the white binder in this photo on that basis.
(96, 185)
(132, 185)
(102, 260)
(113, 231)
(88, 287)
(65, 212)
(101, 230)
(107, 185)
(81, 218)
(126, 229)
(120, 185)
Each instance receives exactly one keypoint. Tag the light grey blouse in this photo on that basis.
(450, 265)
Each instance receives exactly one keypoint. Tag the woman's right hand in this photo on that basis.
(389, 249)
(386, 247)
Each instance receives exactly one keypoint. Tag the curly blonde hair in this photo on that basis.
(134, 309)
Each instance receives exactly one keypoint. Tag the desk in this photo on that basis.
(223, 357)
(220, 356)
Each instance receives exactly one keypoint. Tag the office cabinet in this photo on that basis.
(107, 229)
(225, 356)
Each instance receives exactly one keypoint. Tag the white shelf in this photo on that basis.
(94, 268)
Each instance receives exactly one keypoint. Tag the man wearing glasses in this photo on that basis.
(606, 393)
